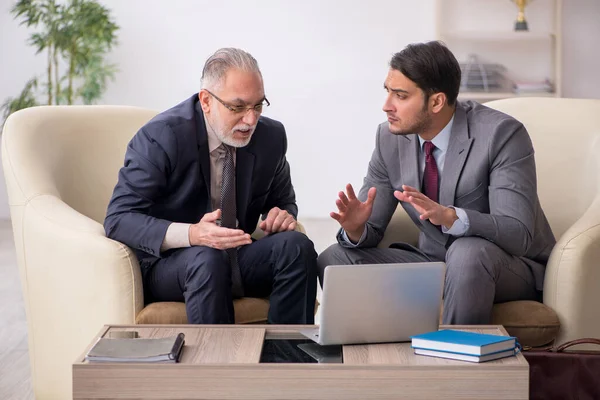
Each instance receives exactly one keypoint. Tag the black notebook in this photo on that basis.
(137, 350)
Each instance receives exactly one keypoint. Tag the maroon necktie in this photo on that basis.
(430, 176)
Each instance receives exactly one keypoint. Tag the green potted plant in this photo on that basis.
(75, 35)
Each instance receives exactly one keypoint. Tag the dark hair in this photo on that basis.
(431, 66)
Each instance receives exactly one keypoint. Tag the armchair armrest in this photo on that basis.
(572, 276)
(74, 280)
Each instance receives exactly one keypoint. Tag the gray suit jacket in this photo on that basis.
(489, 172)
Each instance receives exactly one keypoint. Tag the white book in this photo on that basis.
(465, 357)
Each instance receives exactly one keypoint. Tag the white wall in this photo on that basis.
(581, 48)
(324, 63)
(18, 64)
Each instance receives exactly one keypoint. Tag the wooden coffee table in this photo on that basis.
(224, 362)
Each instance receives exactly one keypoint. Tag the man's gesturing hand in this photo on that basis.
(429, 209)
(352, 213)
(208, 233)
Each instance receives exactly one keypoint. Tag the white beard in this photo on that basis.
(227, 137)
(231, 141)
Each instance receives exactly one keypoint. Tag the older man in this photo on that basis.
(196, 179)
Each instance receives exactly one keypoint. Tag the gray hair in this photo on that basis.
(219, 63)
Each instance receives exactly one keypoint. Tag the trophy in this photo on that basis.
(521, 23)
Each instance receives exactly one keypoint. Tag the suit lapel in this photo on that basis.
(203, 150)
(409, 160)
(243, 180)
(456, 155)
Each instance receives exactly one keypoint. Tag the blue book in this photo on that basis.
(467, 343)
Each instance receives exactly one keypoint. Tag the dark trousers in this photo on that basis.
(282, 266)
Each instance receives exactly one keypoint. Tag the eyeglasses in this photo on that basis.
(241, 109)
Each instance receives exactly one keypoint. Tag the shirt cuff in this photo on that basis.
(460, 226)
(177, 236)
(346, 239)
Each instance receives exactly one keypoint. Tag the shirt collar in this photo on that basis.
(442, 139)
(213, 141)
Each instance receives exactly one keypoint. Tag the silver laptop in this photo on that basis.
(379, 303)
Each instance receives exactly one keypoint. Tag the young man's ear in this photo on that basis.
(437, 101)
(204, 98)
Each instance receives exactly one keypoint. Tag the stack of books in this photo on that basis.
(533, 87)
(477, 76)
(162, 350)
(466, 346)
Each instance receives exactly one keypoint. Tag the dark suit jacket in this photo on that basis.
(166, 178)
(489, 172)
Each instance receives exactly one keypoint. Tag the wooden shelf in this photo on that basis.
(485, 29)
(498, 36)
(502, 95)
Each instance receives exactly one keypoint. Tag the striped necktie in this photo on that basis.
(229, 217)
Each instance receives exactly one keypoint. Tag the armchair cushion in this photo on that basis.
(248, 310)
(535, 324)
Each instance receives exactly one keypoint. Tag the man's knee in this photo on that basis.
(205, 264)
(300, 241)
(294, 244)
(470, 257)
(295, 250)
(472, 266)
(333, 255)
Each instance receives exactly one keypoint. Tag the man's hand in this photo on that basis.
(208, 233)
(278, 220)
(352, 213)
(429, 209)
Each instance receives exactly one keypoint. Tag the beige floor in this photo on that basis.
(15, 377)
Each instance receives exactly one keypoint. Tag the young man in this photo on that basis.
(195, 181)
(465, 174)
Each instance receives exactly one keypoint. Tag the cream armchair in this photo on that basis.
(566, 138)
(61, 165)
